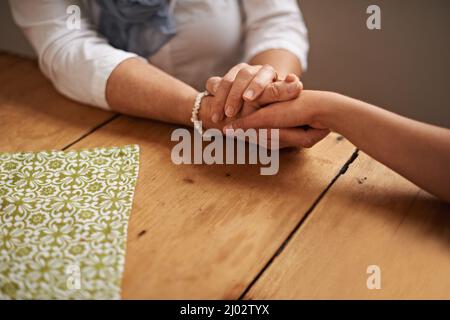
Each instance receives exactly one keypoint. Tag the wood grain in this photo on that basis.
(199, 231)
(372, 216)
(7, 60)
(33, 116)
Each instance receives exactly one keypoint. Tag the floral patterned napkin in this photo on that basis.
(63, 222)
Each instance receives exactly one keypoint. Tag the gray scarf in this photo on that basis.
(139, 26)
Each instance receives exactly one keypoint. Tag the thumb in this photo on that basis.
(299, 137)
(281, 91)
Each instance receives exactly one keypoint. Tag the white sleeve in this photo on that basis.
(275, 24)
(77, 61)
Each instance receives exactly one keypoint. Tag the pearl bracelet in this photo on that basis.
(197, 104)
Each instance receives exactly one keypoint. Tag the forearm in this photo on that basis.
(139, 89)
(418, 151)
(283, 61)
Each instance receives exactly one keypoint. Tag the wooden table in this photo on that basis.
(226, 232)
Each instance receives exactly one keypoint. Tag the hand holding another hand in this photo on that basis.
(252, 97)
(297, 120)
(243, 83)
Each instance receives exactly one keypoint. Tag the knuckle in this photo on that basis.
(226, 82)
(210, 83)
(225, 85)
(245, 73)
(274, 91)
(256, 69)
(268, 67)
(242, 65)
(270, 70)
(214, 80)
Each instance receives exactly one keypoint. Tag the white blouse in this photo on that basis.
(212, 36)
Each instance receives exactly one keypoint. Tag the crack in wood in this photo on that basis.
(100, 125)
(280, 249)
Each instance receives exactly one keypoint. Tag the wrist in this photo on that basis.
(328, 110)
(204, 113)
(187, 107)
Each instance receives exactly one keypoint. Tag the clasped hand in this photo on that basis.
(254, 97)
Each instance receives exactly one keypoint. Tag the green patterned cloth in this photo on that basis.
(63, 222)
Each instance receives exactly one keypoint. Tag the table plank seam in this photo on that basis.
(91, 131)
(341, 172)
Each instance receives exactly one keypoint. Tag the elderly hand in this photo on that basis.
(243, 83)
(279, 106)
(285, 90)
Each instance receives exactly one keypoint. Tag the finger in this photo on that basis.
(248, 108)
(234, 100)
(291, 77)
(263, 78)
(280, 91)
(287, 137)
(294, 137)
(276, 115)
(291, 137)
(234, 71)
(212, 84)
(217, 108)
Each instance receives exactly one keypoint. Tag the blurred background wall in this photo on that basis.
(404, 67)
(11, 38)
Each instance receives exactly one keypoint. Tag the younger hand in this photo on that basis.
(297, 120)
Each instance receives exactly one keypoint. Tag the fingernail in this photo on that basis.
(290, 78)
(215, 118)
(249, 94)
(229, 111)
